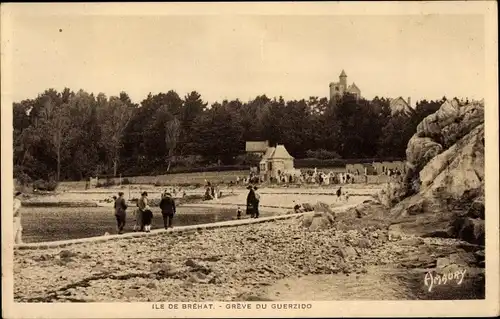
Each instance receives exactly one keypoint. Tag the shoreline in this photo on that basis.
(248, 262)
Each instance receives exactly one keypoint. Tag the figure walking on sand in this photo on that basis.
(120, 212)
(18, 229)
(167, 206)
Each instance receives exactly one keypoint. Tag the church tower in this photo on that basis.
(343, 79)
(340, 88)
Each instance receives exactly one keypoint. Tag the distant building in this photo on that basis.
(383, 167)
(256, 147)
(401, 106)
(360, 169)
(340, 88)
(275, 162)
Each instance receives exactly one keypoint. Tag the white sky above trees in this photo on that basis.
(229, 56)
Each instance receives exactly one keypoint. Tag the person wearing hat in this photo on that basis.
(167, 206)
(120, 212)
(142, 203)
(18, 229)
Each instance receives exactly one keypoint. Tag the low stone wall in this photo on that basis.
(156, 232)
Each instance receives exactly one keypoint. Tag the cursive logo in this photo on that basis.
(433, 279)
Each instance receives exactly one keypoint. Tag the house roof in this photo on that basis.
(353, 86)
(281, 153)
(343, 73)
(256, 146)
(269, 152)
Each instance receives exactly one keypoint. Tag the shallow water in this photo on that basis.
(42, 224)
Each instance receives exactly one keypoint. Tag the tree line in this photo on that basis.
(73, 135)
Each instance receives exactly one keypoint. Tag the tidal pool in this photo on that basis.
(41, 224)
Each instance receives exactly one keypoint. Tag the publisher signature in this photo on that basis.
(433, 279)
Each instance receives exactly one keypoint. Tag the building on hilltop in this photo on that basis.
(340, 88)
(401, 106)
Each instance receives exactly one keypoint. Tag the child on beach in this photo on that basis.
(147, 217)
(238, 213)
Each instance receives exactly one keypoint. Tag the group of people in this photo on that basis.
(211, 191)
(144, 213)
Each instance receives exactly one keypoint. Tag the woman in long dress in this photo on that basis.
(250, 201)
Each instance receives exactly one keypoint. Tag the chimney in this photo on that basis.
(409, 101)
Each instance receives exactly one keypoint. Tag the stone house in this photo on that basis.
(275, 162)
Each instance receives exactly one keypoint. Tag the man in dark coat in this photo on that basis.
(167, 206)
(120, 212)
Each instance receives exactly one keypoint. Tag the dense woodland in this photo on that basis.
(73, 135)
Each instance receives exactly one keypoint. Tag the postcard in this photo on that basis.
(288, 159)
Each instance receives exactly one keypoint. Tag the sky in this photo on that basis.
(242, 56)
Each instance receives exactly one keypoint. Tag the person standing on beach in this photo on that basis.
(141, 207)
(18, 229)
(250, 201)
(147, 217)
(256, 202)
(339, 193)
(120, 212)
(167, 206)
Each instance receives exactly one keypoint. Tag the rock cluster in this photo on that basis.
(446, 175)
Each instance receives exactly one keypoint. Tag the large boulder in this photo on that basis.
(446, 161)
(391, 194)
(369, 214)
(440, 130)
(323, 207)
(459, 168)
(317, 221)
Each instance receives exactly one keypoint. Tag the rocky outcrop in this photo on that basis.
(440, 131)
(446, 176)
